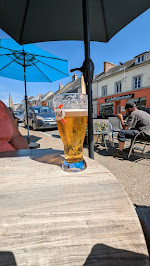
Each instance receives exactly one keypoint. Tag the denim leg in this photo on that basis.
(127, 134)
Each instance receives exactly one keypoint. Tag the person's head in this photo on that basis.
(11, 110)
(130, 107)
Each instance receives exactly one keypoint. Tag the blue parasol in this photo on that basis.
(30, 63)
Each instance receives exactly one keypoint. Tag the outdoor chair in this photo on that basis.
(140, 138)
(114, 126)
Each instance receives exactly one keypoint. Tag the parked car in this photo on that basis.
(19, 115)
(40, 117)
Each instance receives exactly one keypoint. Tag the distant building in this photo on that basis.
(10, 101)
(36, 101)
(119, 84)
(29, 98)
(46, 98)
(71, 87)
(33, 101)
(17, 107)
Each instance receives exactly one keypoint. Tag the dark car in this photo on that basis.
(40, 117)
(19, 115)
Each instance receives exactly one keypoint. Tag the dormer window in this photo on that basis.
(140, 59)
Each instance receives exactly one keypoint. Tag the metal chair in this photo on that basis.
(114, 126)
(141, 138)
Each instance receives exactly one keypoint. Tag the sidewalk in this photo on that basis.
(133, 174)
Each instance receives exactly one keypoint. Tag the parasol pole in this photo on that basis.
(26, 102)
(88, 69)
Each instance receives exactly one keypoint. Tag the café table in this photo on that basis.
(49, 217)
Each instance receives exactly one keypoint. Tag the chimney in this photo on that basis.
(107, 66)
(60, 86)
(74, 77)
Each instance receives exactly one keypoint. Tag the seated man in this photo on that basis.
(137, 121)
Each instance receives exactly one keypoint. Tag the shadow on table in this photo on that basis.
(103, 255)
(7, 259)
(48, 156)
(52, 157)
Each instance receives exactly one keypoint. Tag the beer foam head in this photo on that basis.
(75, 112)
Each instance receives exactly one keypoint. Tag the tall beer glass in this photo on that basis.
(71, 112)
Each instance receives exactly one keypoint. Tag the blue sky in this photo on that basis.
(129, 42)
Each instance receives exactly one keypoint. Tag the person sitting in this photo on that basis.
(137, 121)
(10, 137)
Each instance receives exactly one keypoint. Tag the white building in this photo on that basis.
(128, 81)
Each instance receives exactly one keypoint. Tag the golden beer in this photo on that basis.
(72, 133)
(71, 112)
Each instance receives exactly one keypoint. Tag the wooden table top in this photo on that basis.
(49, 217)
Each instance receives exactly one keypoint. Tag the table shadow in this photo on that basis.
(103, 255)
(52, 157)
(7, 258)
(33, 138)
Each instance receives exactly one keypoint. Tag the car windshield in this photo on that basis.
(18, 112)
(43, 109)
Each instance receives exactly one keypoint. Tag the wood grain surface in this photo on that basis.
(49, 217)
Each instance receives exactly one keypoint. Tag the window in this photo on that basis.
(104, 91)
(137, 82)
(118, 87)
(140, 59)
(140, 102)
(105, 110)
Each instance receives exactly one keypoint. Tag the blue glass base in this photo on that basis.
(74, 167)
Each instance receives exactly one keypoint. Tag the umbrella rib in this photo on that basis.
(15, 60)
(60, 59)
(6, 48)
(7, 65)
(30, 60)
(103, 12)
(5, 54)
(41, 71)
(51, 67)
(12, 50)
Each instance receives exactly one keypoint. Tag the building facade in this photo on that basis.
(45, 100)
(117, 85)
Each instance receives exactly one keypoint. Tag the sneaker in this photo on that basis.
(118, 154)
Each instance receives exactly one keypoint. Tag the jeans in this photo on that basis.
(127, 134)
